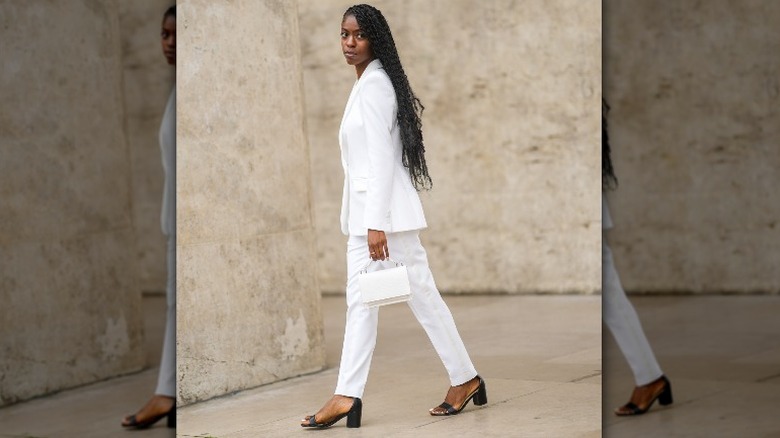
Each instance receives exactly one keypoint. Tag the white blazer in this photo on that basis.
(168, 152)
(378, 191)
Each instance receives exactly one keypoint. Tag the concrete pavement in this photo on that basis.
(722, 355)
(540, 357)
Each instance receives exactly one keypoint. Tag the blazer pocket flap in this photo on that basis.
(360, 184)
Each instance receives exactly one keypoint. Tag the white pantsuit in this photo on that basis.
(379, 195)
(621, 318)
(166, 380)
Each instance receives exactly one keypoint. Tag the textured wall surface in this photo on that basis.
(148, 80)
(248, 308)
(695, 93)
(512, 94)
(70, 310)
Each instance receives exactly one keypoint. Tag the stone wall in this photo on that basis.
(695, 93)
(71, 303)
(148, 80)
(248, 304)
(512, 95)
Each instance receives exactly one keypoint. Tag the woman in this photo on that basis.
(384, 165)
(163, 403)
(619, 314)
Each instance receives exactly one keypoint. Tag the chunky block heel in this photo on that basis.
(666, 397)
(355, 414)
(480, 398)
(172, 418)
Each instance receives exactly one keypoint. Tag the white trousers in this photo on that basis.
(166, 380)
(623, 322)
(426, 304)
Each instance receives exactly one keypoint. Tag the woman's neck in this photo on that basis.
(360, 68)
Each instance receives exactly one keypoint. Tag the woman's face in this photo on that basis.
(355, 44)
(168, 36)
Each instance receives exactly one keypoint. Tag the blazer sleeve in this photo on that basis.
(379, 108)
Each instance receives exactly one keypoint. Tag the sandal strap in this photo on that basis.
(633, 408)
(449, 408)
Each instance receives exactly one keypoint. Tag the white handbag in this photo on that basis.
(386, 286)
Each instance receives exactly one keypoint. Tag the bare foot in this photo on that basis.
(157, 406)
(642, 397)
(457, 395)
(337, 405)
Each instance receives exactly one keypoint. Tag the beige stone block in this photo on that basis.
(147, 83)
(250, 315)
(511, 93)
(71, 312)
(248, 304)
(693, 128)
(254, 108)
(64, 165)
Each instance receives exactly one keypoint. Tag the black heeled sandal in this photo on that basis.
(664, 398)
(479, 396)
(353, 417)
(171, 414)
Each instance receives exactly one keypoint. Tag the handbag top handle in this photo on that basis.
(365, 268)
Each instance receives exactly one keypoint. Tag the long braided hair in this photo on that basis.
(608, 178)
(376, 29)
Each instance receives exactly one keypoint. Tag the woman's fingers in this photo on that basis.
(378, 252)
(377, 245)
(381, 250)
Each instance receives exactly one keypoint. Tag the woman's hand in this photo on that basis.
(377, 245)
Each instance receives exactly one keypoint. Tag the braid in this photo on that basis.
(608, 178)
(376, 29)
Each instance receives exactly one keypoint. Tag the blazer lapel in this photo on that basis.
(346, 110)
(373, 65)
